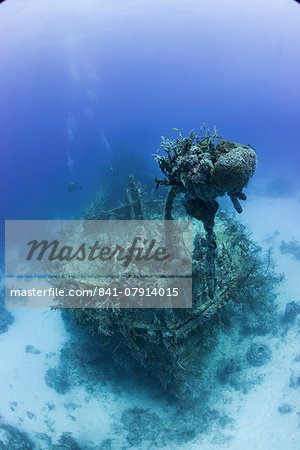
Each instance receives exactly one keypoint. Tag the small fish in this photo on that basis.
(74, 186)
(176, 129)
(251, 146)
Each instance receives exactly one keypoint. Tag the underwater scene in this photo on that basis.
(150, 225)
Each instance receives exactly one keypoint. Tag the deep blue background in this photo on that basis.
(99, 82)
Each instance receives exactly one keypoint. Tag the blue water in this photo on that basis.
(83, 78)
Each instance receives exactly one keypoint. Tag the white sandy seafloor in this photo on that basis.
(258, 423)
(92, 418)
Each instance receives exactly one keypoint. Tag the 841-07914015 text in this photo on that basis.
(97, 291)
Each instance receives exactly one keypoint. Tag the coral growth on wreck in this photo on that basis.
(171, 344)
(201, 170)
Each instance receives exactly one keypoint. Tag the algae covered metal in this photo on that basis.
(227, 266)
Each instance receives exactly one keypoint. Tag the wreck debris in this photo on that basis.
(203, 171)
(135, 199)
(292, 309)
(259, 354)
(168, 343)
